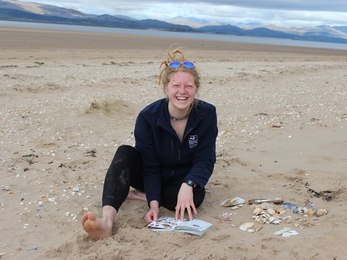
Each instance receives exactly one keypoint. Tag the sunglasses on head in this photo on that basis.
(176, 64)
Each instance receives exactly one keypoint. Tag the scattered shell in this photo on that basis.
(281, 211)
(271, 219)
(296, 224)
(288, 219)
(257, 211)
(321, 212)
(279, 232)
(246, 226)
(311, 212)
(286, 232)
(257, 228)
(5, 187)
(76, 189)
(265, 205)
(271, 211)
(233, 202)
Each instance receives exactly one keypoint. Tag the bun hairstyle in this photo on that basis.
(167, 71)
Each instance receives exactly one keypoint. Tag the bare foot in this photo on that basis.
(137, 195)
(97, 229)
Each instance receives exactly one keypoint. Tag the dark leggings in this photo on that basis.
(126, 170)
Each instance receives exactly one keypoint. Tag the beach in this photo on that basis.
(69, 99)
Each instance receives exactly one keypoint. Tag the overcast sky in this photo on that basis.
(277, 12)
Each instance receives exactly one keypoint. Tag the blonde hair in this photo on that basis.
(167, 71)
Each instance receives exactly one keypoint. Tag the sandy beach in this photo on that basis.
(69, 99)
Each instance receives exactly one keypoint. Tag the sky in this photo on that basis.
(276, 12)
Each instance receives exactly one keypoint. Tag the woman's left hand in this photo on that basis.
(185, 202)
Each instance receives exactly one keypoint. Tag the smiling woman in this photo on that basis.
(174, 153)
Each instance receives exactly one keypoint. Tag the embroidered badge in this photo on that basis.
(193, 141)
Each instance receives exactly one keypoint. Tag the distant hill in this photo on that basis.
(13, 10)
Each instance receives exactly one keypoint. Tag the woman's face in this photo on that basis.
(181, 91)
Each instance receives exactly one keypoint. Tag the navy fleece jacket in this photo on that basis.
(165, 157)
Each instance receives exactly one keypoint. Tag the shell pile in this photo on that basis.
(270, 213)
(266, 213)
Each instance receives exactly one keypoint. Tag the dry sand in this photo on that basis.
(68, 99)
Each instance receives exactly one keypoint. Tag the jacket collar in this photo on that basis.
(164, 117)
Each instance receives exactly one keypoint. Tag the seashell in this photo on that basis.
(279, 232)
(281, 211)
(246, 226)
(250, 230)
(286, 228)
(288, 219)
(321, 212)
(257, 211)
(265, 205)
(232, 202)
(296, 224)
(293, 232)
(304, 210)
(264, 218)
(271, 219)
(257, 228)
(271, 211)
(311, 212)
(287, 234)
(276, 221)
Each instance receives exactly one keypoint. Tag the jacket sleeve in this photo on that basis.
(205, 156)
(151, 166)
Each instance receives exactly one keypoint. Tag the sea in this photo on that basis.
(187, 35)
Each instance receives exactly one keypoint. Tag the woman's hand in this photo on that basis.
(153, 213)
(185, 202)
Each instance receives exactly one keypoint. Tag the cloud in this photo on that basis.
(281, 13)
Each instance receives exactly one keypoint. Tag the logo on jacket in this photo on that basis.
(193, 141)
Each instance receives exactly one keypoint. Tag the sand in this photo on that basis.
(69, 99)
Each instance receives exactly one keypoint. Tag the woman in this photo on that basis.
(174, 152)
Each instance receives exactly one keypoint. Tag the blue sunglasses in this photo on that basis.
(187, 64)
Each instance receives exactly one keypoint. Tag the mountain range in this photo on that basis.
(12, 10)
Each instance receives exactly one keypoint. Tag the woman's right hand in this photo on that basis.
(153, 213)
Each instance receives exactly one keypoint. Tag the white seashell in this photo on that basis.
(293, 232)
(250, 230)
(246, 226)
(271, 211)
(271, 219)
(288, 219)
(76, 189)
(257, 211)
(232, 202)
(286, 234)
(276, 221)
(279, 232)
(265, 205)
